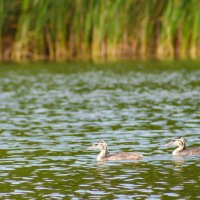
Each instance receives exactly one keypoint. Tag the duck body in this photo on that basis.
(105, 156)
(120, 156)
(187, 152)
(182, 150)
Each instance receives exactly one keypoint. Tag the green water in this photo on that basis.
(51, 113)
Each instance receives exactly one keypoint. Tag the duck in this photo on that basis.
(105, 156)
(182, 150)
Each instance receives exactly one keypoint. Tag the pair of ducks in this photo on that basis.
(180, 151)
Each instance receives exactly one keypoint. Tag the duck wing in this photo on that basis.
(124, 156)
(190, 151)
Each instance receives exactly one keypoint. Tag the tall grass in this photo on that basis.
(2, 21)
(92, 29)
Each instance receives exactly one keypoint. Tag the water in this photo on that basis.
(50, 114)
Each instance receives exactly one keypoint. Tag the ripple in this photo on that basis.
(49, 116)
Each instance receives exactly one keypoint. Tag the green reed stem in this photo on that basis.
(65, 29)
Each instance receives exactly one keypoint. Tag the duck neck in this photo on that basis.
(178, 150)
(104, 153)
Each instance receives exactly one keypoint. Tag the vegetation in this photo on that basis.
(91, 29)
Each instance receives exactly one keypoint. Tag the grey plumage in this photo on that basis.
(104, 154)
(182, 150)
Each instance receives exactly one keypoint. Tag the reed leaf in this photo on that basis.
(65, 29)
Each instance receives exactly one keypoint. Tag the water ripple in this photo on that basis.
(49, 116)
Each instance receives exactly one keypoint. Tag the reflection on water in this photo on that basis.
(51, 114)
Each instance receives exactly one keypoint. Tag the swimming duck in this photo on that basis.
(104, 154)
(182, 150)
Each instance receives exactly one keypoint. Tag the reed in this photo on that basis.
(93, 29)
(1, 25)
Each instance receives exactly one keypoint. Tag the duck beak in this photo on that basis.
(170, 143)
(92, 147)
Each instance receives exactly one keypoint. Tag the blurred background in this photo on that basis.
(99, 29)
(73, 72)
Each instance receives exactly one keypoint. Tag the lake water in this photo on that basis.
(51, 113)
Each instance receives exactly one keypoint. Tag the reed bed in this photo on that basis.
(99, 29)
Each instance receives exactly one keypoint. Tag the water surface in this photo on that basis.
(50, 114)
